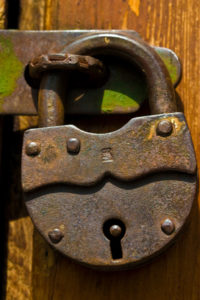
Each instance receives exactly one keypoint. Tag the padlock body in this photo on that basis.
(135, 175)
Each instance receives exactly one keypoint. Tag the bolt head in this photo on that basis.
(73, 145)
(55, 235)
(164, 128)
(115, 231)
(168, 226)
(33, 148)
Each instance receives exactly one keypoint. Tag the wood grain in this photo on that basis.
(2, 13)
(174, 275)
(2, 206)
(19, 226)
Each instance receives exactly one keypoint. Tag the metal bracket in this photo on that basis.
(17, 48)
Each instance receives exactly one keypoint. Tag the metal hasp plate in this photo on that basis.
(124, 92)
(114, 200)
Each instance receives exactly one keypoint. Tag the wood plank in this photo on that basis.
(18, 226)
(175, 274)
(3, 22)
(2, 13)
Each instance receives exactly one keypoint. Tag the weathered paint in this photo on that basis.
(125, 90)
(113, 100)
(172, 66)
(11, 68)
(122, 96)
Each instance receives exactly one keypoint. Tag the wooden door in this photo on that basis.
(32, 269)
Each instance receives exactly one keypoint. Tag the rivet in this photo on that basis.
(164, 128)
(115, 230)
(55, 235)
(168, 226)
(73, 145)
(33, 149)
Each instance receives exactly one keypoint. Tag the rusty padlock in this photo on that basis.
(114, 200)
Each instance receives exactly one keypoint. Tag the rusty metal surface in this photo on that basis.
(66, 62)
(50, 99)
(53, 80)
(111, 224)
(135, 51)
(133, 151)
(19, 98)
(114, 200)
(71, 218)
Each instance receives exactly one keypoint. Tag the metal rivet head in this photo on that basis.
(73, 145)
(164, 128)
(33, 149)
(55, 235)
(115, 231)
(168, 226)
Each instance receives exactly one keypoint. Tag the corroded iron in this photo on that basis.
(55, 235)
(164, 127)
(114, 200)
(135, 51)
(115, 230)
(142, 205)
(168, 226)
(133, 151)
(17, 97)
(66, 62)
(32, 148)
(73, 145)
(50, 99)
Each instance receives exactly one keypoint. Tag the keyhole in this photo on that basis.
(114, 230)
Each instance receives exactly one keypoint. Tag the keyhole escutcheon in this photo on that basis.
(114, 230)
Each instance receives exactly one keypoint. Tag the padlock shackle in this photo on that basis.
(50, 99)
(161, 91)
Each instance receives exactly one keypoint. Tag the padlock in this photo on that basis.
(114, 200)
